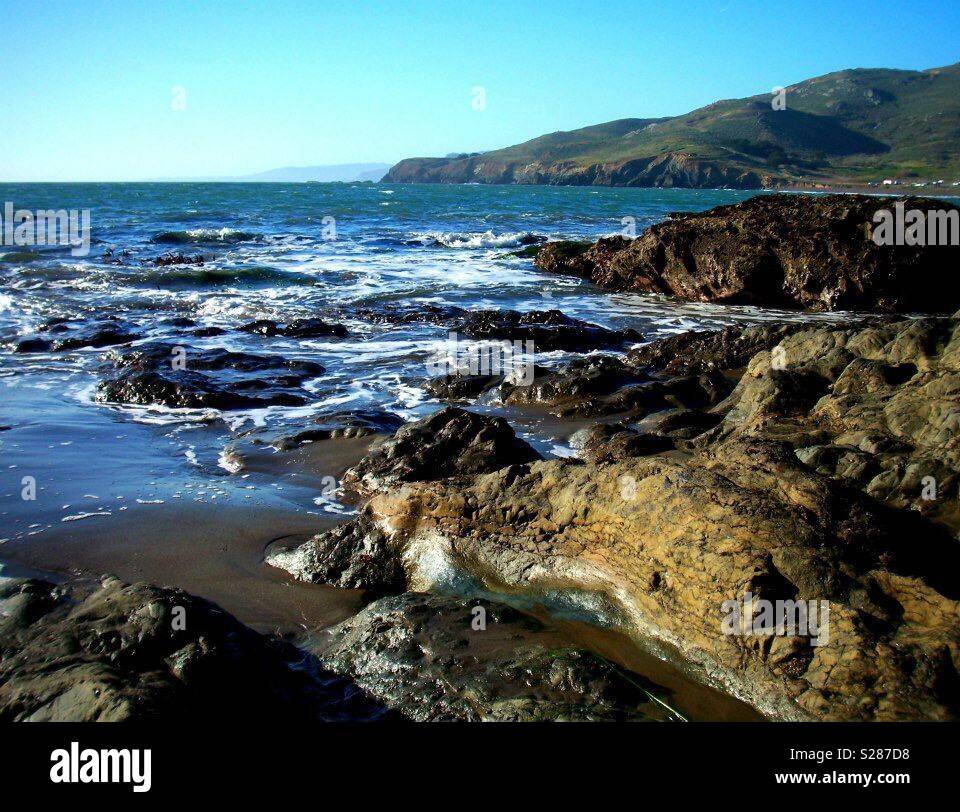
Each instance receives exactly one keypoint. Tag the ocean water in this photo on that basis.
(271, 253)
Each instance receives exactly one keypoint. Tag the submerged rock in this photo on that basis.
(298, 328)
(426, 657)
(389, 313)
(176, 258)
(125, 652)
(106, 333)
(811, 252)
(336, 425)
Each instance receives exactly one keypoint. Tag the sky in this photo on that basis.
(126, 90)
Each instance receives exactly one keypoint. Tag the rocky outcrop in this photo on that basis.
(122, 652)
(670, 169)
(792, 251)
(449, 659)
(793, 488)
(447, 443)
(878, 407)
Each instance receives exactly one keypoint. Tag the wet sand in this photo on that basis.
(197, 528)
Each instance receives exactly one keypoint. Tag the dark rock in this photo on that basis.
(390, 313)
(208, 332)
(548, 330)
(262, 327)
(421, 656)
(338, 425)
(605, 385)
(101, 334)
(704, 351)
(312, 328)
(119, 654)
(25, 345)
(177, 258)
(811, 252)
(452, 442)
(298, 328)
(461, 388)
(185, 389)
(245, 381)
(605, 442)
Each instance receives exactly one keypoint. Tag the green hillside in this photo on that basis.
(854, 125)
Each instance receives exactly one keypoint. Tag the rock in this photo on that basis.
(389, 313)
(461, 387)
(353, 555)
(247, 381)
(549, 330)
(708, 350)
(25, 345)
(176, 258)
(313, 328)
(337, 425)
(185, 389)
(878, 406)
(125, 652)
(811, 252)
(451, 442)
(298, 328)
(655, 547)
(606, 385)
(606, 442)
(566, 257)
(814, 486)
(99, 334)
(421, 655)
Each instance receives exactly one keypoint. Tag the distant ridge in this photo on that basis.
(853, 126)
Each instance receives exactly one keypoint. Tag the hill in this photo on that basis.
(852, 126)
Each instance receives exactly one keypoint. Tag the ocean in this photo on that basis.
(347, 253)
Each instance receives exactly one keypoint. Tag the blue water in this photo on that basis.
(270, 254)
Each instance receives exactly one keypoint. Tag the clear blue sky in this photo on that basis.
(87, 86)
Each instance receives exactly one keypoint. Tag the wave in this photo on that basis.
(213, 277)
(205, 236)
(475, 239)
